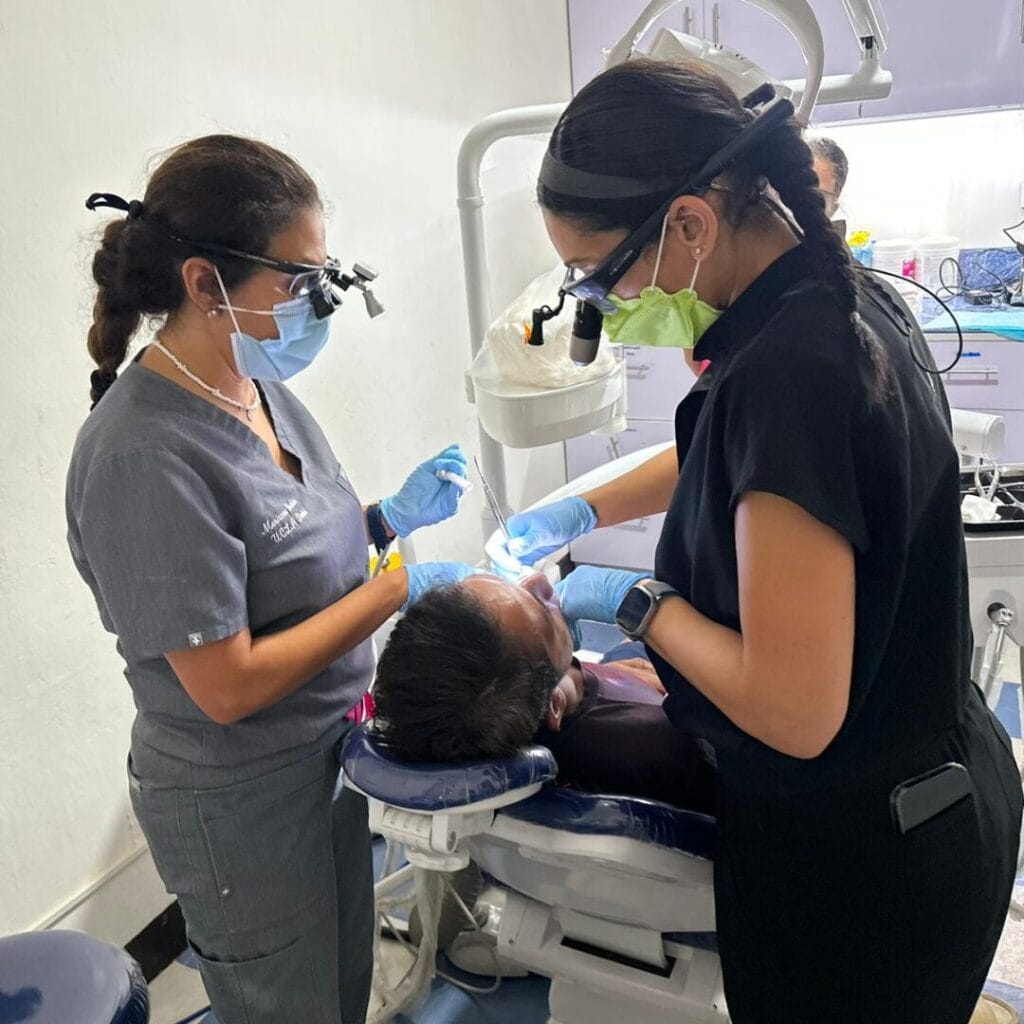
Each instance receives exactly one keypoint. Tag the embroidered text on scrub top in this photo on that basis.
(285, 522)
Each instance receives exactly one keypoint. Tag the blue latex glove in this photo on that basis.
(424, 576)
(532, 535)
(426, 499)
(592, 593)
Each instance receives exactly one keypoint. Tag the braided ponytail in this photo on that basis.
(786, 160)
(115, 318)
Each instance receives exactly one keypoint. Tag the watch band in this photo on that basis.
(375, 525)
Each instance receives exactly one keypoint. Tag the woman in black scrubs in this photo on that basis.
(811, 622)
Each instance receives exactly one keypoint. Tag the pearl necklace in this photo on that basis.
(216, 392)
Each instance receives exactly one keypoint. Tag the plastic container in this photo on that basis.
(911, 294)
(520, 416)
(895, 255)
(862, 247)
(930, 255)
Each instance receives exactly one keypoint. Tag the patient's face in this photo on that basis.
(529, 611)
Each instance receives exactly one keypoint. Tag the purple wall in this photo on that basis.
(944, 54)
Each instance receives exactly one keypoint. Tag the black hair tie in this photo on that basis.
(134, 209)
(101, 381)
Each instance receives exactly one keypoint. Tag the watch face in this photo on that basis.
(634, 607)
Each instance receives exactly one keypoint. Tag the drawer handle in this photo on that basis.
(989, 373)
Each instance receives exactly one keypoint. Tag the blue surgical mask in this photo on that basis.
(300, 337)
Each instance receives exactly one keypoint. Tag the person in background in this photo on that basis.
(831, 168)
(226, 550)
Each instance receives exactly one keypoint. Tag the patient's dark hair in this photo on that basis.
(452, 687)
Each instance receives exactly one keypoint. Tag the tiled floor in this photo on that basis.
(178, 992)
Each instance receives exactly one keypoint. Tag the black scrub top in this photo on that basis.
(786, 408)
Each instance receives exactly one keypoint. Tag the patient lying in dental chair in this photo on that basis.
(482, 668)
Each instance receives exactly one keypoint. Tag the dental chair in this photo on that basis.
(610, 897)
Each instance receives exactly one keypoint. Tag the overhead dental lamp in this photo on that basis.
(868, 82)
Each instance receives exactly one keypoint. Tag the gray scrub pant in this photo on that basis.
(274, 876)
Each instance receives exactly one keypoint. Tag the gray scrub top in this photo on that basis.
(186, 531)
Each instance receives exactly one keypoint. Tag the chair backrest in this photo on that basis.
(432, 788)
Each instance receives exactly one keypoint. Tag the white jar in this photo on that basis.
(931, 252)
(895, 255)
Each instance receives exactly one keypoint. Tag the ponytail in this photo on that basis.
(787, 161)
(115, 318)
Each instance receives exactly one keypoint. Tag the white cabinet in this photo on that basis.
(656, 381)
(989, 378)
(629, 545)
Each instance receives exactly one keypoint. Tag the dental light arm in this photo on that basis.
(869, 24)
(741, 74)
(867, 21)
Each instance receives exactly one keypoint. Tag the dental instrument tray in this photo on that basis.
(1006, 484)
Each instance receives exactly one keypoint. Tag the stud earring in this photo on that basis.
(211, 313)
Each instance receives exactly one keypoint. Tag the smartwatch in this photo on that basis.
(639, 605)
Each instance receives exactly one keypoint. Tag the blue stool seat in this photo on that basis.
(63, 977)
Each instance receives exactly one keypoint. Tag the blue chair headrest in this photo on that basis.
(438, 787)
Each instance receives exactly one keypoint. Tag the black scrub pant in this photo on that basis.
(827, 915)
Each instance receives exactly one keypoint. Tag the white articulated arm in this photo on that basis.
(869, 81)
(795, 15)
(868, 22)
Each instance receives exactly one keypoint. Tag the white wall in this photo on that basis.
(958, 174)
(373, 98)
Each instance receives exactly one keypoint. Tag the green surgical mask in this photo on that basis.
(658, 319)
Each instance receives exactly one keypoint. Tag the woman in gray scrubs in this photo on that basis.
(226, 550)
